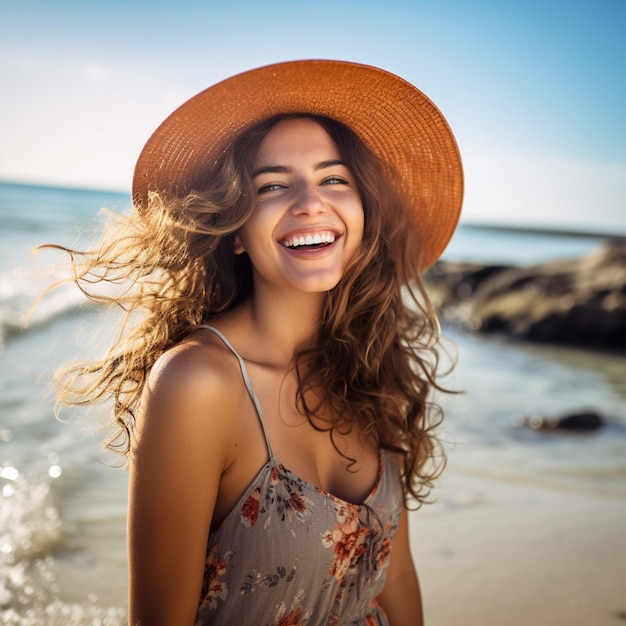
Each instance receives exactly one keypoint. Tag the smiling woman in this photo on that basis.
(279, 350)
(304, 192)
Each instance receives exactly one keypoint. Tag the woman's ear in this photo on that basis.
(238, 246)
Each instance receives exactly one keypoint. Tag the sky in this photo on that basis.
(534, 90)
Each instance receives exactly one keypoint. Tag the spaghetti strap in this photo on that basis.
(246, 380)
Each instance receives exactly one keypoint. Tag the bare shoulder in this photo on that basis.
(196, 365)
(191, 388)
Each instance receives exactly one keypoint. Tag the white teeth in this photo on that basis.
(309, 239)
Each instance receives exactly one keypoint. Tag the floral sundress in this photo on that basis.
(292, 554)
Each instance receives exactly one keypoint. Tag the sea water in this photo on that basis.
(63, 505)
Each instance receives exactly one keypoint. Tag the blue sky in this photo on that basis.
(533, 90)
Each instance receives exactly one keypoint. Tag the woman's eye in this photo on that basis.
(334, 180)
(270, 187)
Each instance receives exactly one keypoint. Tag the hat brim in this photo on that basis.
(394, 119)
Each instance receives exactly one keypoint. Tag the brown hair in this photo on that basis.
(376, 358)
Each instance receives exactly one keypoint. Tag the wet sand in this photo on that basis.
(514, 553)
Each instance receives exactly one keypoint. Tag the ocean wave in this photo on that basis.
(29, 521)
(31, 531)
(22, 311)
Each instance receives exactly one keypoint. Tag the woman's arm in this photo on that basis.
(401, 598)
(179, 453)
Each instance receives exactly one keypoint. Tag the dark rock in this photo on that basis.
(574, 422)
(578, 302)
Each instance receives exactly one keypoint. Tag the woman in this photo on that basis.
(271, 391)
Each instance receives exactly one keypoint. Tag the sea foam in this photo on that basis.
(31, 533)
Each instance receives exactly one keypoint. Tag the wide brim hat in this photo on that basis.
(394, 119)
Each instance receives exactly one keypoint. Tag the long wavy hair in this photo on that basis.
(171, 266)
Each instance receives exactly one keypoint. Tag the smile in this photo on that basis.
(321, 239)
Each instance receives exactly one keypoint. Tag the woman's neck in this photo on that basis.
(279, 327)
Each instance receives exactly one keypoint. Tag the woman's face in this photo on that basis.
(307, 220)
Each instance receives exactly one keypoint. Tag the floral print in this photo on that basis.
(214, 588)
(255, 580)
(293, 618)
(250, 509)
(296, 616)
(287, 497)
(298, 556)
(347, 539)
(284, 498)
(383, 553)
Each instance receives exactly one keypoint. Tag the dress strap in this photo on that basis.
(246, 380)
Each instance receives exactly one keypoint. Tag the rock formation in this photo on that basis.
(578, 302)
(584, 422)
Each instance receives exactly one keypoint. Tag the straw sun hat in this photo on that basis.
(394, 119)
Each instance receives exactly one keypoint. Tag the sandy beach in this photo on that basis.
(516, 553)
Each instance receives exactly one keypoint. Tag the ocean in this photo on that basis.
(63, 504)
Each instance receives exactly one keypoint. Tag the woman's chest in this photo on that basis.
(326, 450)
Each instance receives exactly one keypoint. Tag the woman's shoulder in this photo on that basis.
(196, 376)
(190, 406)
(199, 358)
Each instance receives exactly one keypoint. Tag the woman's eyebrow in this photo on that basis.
(329, 163)
(283, 169)
(271, 169)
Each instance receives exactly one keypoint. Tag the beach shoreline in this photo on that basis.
(493, 551)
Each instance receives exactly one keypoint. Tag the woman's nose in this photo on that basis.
(308, 200)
